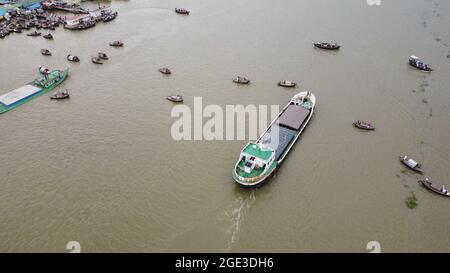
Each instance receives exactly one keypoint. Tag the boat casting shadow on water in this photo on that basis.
(259, 160)
(47, 82)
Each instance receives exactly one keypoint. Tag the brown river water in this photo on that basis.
(102, 168)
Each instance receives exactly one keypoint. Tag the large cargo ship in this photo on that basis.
(259, 160)
(46, 82)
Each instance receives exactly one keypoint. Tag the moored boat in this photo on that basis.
(175, 98)
(182, 11)
(287, 83)
(259, 160)
(364, 125)
(417, 63)
(41, 85)
(327, 46)
(86, 24)
(109, 17)
(411, 163)
(439, 189)
(241, 80)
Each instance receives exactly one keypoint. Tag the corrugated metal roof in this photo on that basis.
(278, 138)
(294, 116)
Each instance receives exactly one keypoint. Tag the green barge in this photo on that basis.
(45, 83)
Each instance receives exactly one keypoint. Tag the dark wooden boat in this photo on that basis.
(241, 80)
(175, 98)
(34, 34)
(287, 83)
(165, 71)
(103, 56)
(96, 60)
(182, 11)
(364, 125)
(86, 25)
(72, 58)
(48, 36)
(439, 189)
(327, 46)
(60, 95)
(17, 30)
(417, 63)
(116, 44)
(109, 17)
(411, 163)
(46, 52)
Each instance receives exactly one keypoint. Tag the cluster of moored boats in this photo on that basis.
(90, 20)
(20, 21)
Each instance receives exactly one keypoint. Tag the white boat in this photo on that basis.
(259, 160)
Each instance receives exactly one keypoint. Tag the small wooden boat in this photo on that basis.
(48, 36)
(417, 63)
(103, 56)
(34, 34)
(411, 163)
(73, 58)
(46, 52)
(60, 95)
(363, 125)
(287, 83)
(116, 44)
(241, 80)
(327, 46)
(96, 60)
(439, 189)
(175, 98)
(165, 70)
(17, 30)
(182, 11)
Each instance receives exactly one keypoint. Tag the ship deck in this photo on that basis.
(19, 94)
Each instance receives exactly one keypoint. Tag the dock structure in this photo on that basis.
(64, 6)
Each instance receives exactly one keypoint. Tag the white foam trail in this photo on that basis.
(234, 214)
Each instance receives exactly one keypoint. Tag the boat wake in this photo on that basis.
(233, 216)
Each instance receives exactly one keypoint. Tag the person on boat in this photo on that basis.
(443, 189)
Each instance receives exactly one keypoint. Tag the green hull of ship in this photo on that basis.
(54, 78)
